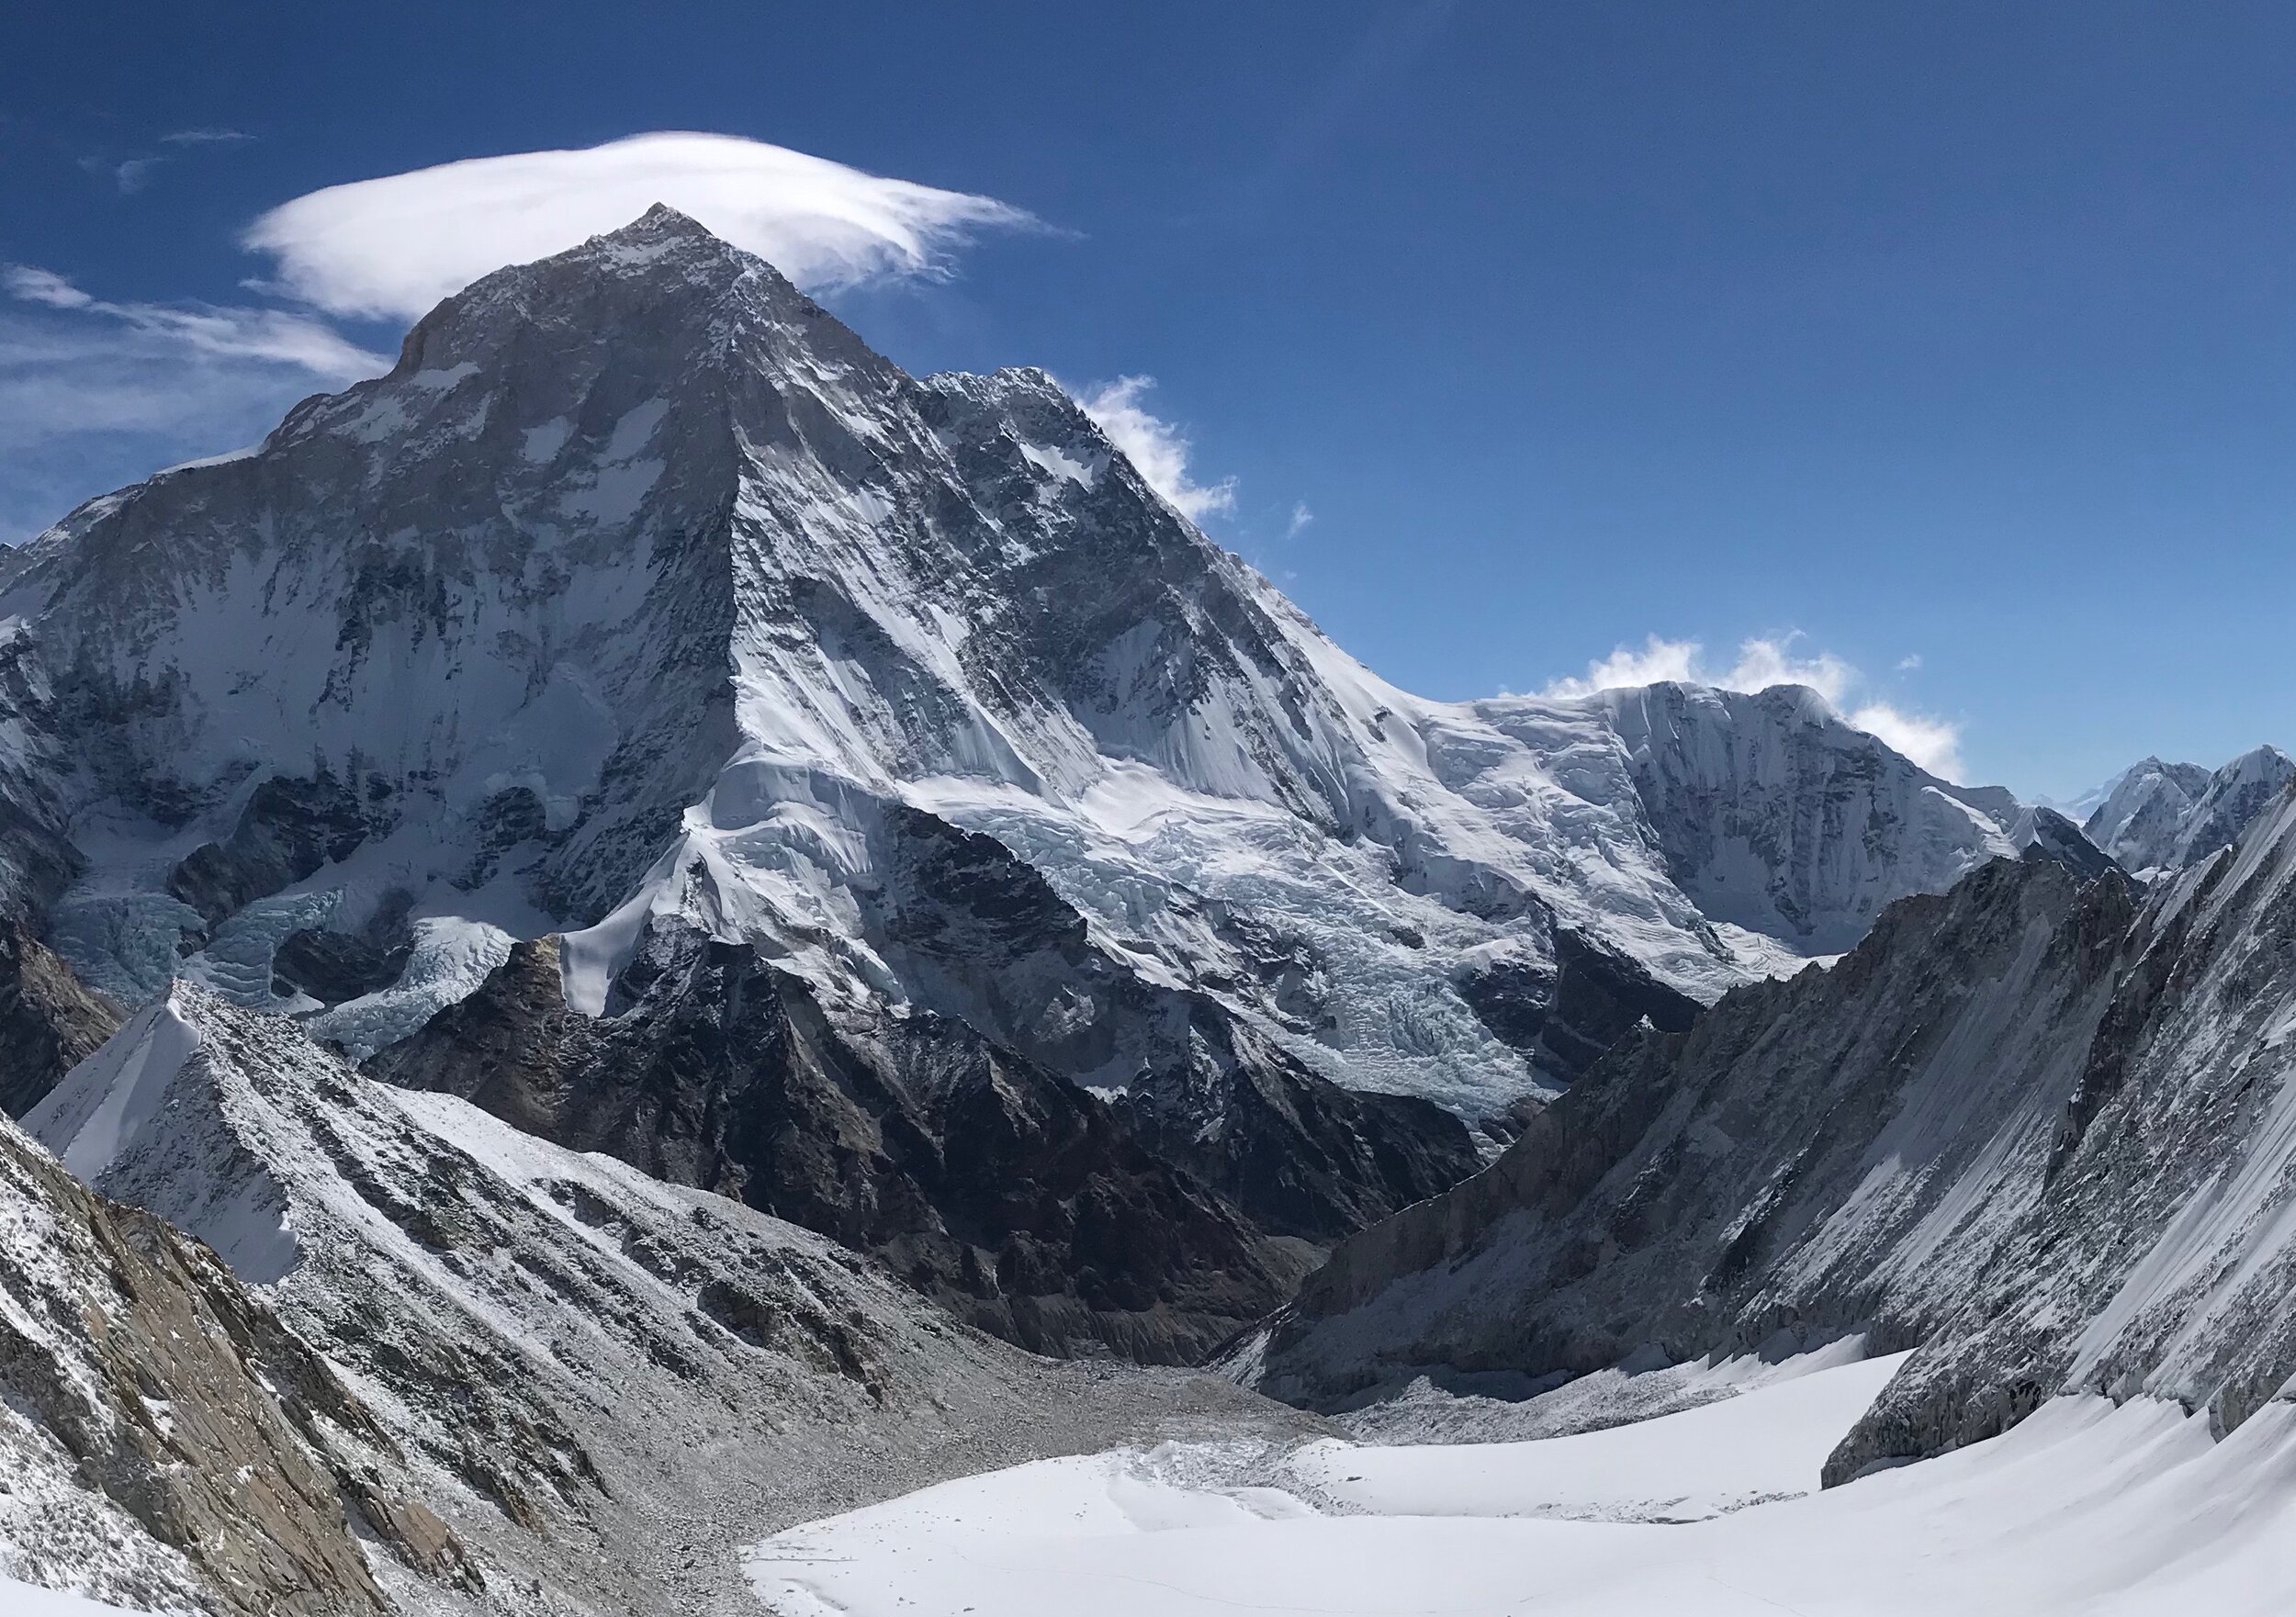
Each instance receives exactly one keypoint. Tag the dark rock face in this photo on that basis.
(1301, 1156)
(2053, 836)
(1574, 1014)
(140, 1362)
(331, 967)
(288, 829)
(49, 1020)
(1024, 1203)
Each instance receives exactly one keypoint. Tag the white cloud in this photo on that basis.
(29, 284)
(393, 247)
(268, 335)
(1761, 664)
(1158, 450)
(1909, 663)
(1300, 517)
(206, 137)
(1932, 742)
(1658, 660)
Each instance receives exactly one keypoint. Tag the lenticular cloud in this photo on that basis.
(393, 247)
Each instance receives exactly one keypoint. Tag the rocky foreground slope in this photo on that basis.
(451, 1367)
(2037, 1127)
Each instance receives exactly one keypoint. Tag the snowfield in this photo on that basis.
(2084, 1508)
(26, 1599)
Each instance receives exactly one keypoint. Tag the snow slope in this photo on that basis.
(26, 1599)
(2087, 1509)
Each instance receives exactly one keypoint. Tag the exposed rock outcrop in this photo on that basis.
(165, 1440)
(49, 1021)
(1030, 1207)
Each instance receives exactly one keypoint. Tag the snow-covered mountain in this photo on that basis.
(642, 586)
(2034, 1129)
(630, 896)
(1778, 818)
(2161, 816)
(643, 652)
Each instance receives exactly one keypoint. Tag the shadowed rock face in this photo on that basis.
(288, 829)
(165, 1441)
(1031, 1207)
(48, 1019)
(1573, 1014)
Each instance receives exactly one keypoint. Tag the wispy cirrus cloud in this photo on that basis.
(393, 247)
(133, 172)
(1761, 662)
(1158, 450)
(95, 393)
(270, 336)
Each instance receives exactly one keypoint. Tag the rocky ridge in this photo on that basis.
(166, 1442)
(582, 1387)
(2029, 1127)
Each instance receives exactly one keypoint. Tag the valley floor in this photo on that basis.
(2086, 1508)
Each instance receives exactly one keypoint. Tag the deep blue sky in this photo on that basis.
(1951, 331)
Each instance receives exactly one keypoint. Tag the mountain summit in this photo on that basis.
(796, 774)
